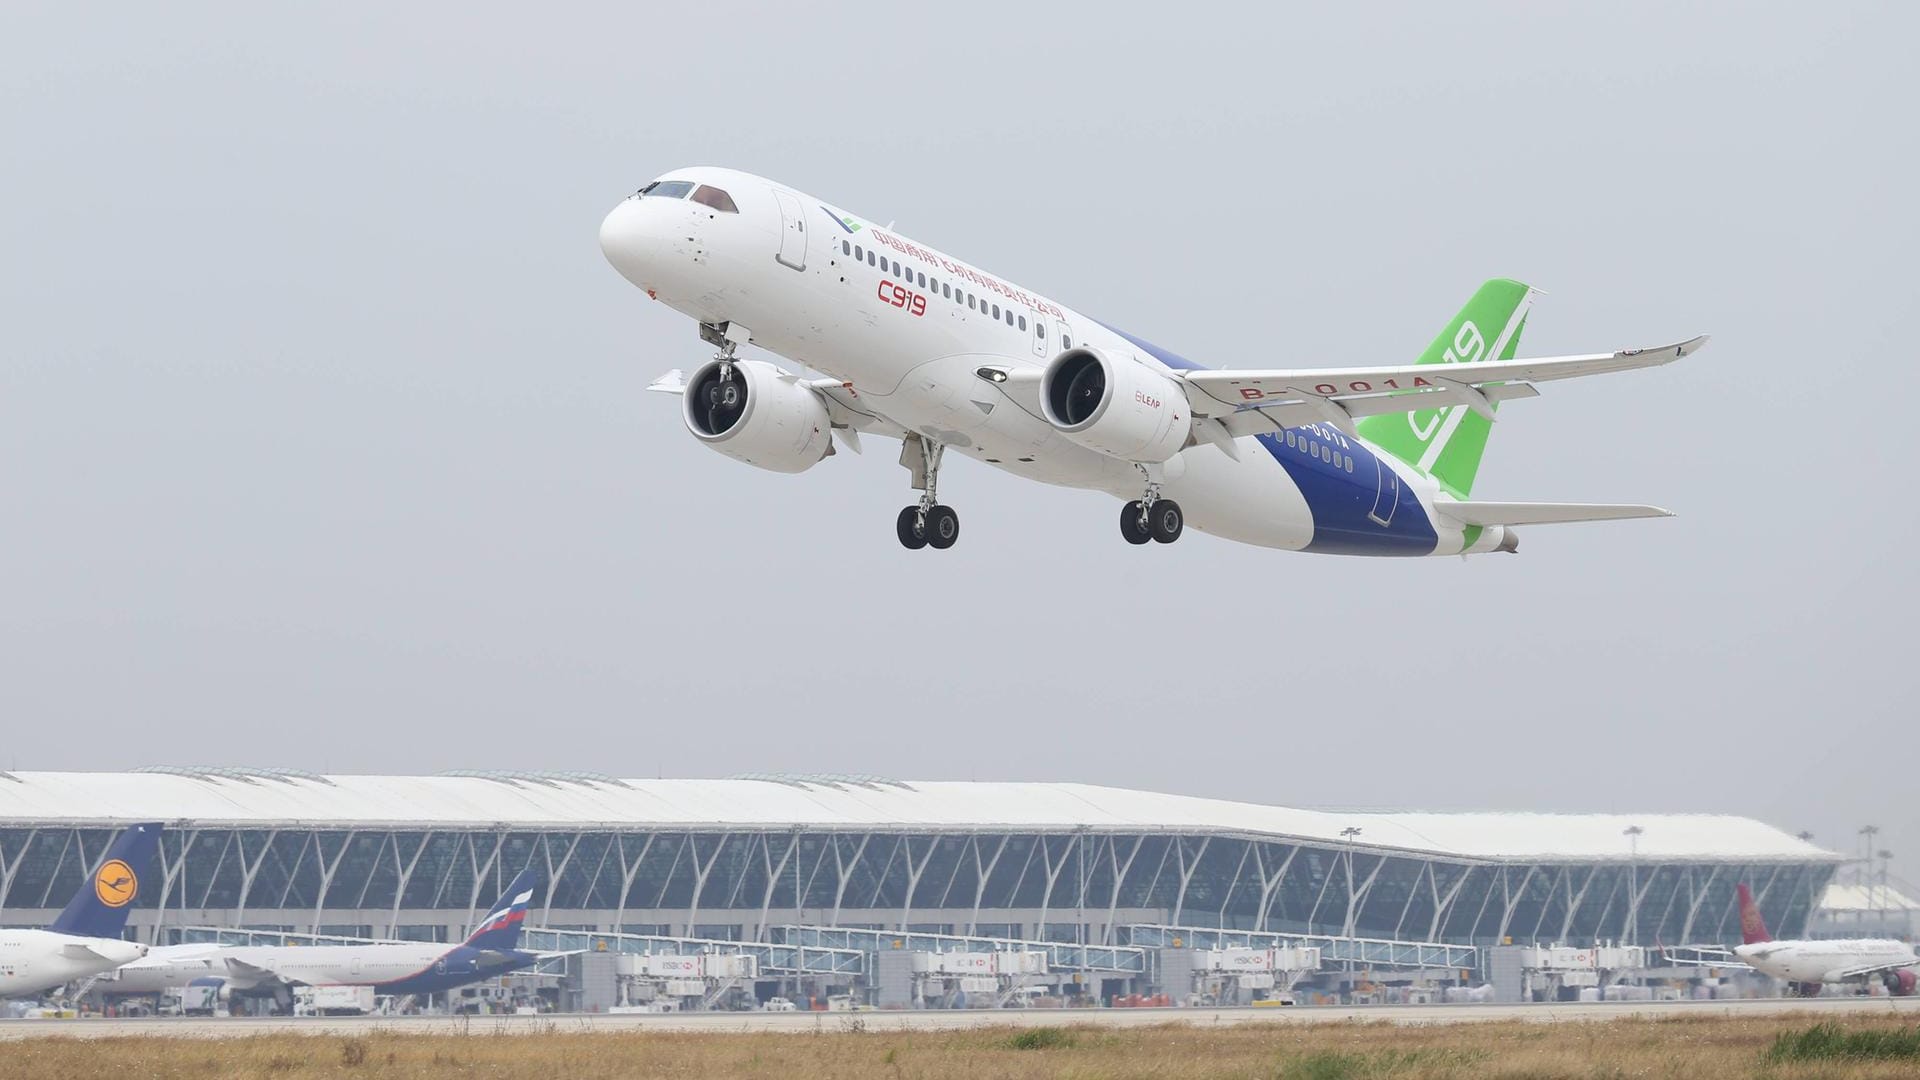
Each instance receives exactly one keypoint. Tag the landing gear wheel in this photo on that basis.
(913, 536)
(1165, 521)
(943, 527)
(1132, 528)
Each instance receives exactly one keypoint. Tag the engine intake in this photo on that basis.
(761, 416)
(1119, 407)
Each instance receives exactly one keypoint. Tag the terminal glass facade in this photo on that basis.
(1061, 885)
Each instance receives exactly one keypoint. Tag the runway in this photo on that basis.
(223, 1027)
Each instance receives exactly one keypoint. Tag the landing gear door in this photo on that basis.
(793, 231)
(1386, 496)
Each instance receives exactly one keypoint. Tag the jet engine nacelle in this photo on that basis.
(1901, 982)
(1115, 405)
(762, 416)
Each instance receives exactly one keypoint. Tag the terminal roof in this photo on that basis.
(220, 797)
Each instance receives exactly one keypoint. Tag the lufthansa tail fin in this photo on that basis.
(1446, 443)
(1753, 929)
(99, 908)
(501, 928)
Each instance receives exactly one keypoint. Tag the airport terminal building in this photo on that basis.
(421, 856)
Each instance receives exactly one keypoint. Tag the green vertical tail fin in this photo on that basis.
(1447, 443)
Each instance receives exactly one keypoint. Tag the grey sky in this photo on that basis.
(322, 439)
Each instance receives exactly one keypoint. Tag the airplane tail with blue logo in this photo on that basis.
(500, 930)
(99, 907)
(1447, 443)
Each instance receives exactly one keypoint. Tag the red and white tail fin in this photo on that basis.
(1753, 928)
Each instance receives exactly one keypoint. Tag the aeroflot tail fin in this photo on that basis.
(1447, 443)
(99, 908)
(501, 928)
(1753, 929)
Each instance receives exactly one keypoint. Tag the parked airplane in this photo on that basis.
(85, 939)
(393, 968)
(928, 349)
(1805, 965)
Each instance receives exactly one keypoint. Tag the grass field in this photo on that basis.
(1696, 1048)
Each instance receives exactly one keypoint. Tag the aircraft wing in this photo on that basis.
(80, 950)
(254, 974)
(1861, 972)
(1519, 513)
(1252, 402)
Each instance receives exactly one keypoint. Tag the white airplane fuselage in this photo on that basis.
(891, 318)
(32, 961)
(1824, 961)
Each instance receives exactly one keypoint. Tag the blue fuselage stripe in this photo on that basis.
(1365, 511)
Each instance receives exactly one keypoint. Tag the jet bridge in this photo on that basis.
(1060, 955)
(771, 958)
(917, 970)
(1334, 949)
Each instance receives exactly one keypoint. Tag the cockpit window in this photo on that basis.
(714, 197)
(668, 189)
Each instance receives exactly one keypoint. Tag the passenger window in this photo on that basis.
(996, 311)
(872, 259)
(923, 280)
(1066, 341)
(946, 290)
(846, 248)
(1009, 316)
(1349, 463)
(859, 253)
(896, 270)
(969, 301)
(1039, 329)
(1023, 322)
(1289, 436)
(714, 197)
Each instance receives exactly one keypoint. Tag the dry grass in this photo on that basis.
(1695, 1048)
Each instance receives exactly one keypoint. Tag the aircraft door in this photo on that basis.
(1386, 495)
(1041, 346)
(793, 231)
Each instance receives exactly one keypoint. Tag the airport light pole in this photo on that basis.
(1348, 834)
(1633, 833)
(1886, 864)
(1867, 833)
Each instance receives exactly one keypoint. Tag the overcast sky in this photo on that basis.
(323, 440)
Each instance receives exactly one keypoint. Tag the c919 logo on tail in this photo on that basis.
(1468, 346)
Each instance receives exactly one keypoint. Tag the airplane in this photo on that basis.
(1805, 965)
(390, 968)
(85, 938)
(920, 346)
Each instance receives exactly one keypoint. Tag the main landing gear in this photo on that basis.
(1152, 517)
(927, 523)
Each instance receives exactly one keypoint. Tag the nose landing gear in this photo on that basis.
(926, 524)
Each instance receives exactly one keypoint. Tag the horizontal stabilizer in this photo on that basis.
(1520, 513)
(673, 382)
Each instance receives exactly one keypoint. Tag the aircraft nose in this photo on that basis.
(629, 240)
